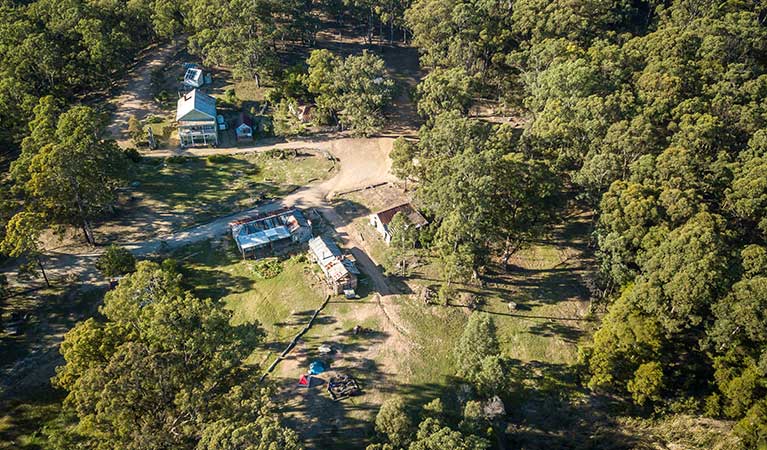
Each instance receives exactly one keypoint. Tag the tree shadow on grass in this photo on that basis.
(26, 416)
(566, 332)
(27, 361)
(322, 422)
(200, 264)
(214, 284)
(550, 409)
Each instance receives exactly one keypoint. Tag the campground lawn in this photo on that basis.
(539, 334)
(198, 189)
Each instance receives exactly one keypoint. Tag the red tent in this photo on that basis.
(303, 381)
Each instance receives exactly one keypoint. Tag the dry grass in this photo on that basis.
(197, 189)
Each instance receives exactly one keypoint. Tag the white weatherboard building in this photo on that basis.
(196, 119)
(380, 220)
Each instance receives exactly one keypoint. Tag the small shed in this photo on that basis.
(244, 130)
(194, 77)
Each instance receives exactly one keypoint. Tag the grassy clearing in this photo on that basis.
(685, 432)
(435, 331)
(540, 306)
(200, 189)
(165, 132)
(247, 91)
(22, 421)
(280, 305)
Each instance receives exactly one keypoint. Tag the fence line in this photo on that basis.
(295, 339)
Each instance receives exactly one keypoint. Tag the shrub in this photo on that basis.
(274, 96)
(301, 258)
(4, 291)
(268, 268)
(176, 159)
(152, 161)
(393, 422)
(116, 261)
(219, 159)
(170, 265)
(135, 129)
(132, 154)
(445, 293)
(647, 383)
(478, 341)
(266, 126)
(323, 117)
(167, 131)
(163, 97)
(229, 98)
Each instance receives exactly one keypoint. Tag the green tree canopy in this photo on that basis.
(116, 261)
(354, 89)
(164, 369)
(444, 90)
(73, 178)
(478, 342)
(434, 436)
(485, 196)
(393, 422)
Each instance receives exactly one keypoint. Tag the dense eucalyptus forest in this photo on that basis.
(652, 115)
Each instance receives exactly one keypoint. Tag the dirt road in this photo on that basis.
(361, 162)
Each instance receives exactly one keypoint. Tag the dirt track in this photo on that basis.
(360, 162)
(136, 96)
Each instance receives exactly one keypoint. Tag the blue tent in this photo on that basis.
(316, 367)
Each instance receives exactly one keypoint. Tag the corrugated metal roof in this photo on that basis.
(330, 259)
(324, 249)
(260, 216)
(336, 270)
(196, 101)
(262, 237)
(296, 220)
(407, 209)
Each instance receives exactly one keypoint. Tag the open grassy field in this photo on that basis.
(198, 189)
(540, 305)
(281, 306)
